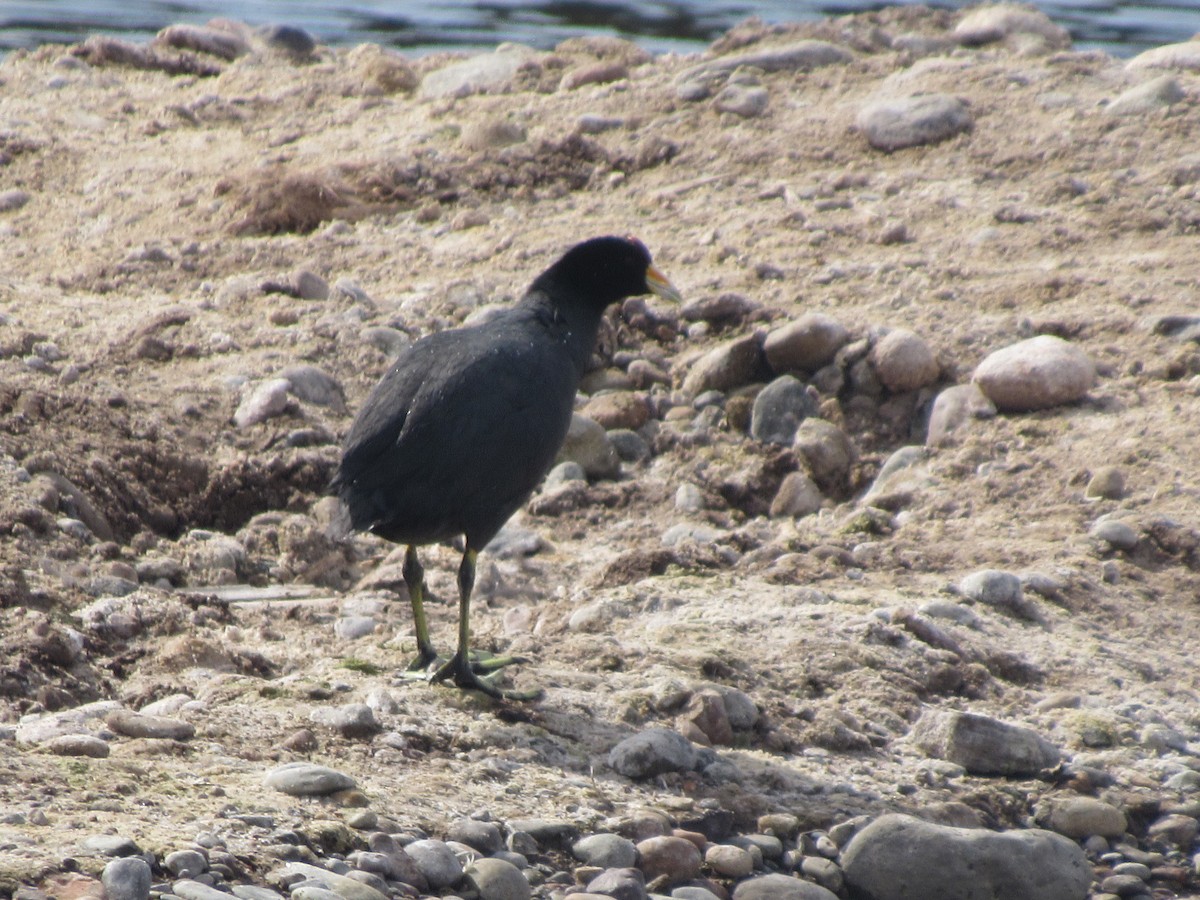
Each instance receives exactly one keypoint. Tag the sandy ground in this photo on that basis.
(152, 270)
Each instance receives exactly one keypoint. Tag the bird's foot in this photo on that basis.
(466, 675)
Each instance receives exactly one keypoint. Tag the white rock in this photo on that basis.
(1157, 93)
(893, 124)
(1037, 373)
(1184, 56)
(266, 401)
(479, 73)
(988, 24)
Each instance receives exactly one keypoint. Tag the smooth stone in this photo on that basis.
(729, 861)
(953, 409)
(438, 864)
(1115, 533)
(491, 134)
(564, 473)
(630, 445)
(1081, 817)
(719, 309)
(353, 720)
(982, 745)
(185, 863)
(617, 409)
(78, 745)
(138, 725)
(806, 344)
(588, 445)
(127, 878)
(691, 892)
(595, 73)
(654, 751)
(898, 857)
(496, 879)
(391, 863)
(265, 401)
(1176, 829)
(546, 832)
(608, 851)
(798, 496)
(187, 889)
(301, 779)
(988, 24)
(474, 75)
(111, 845)
(13, 199)
(675, 858)
(894, 124)
(80, 720)
(288, 38)
(780, 887)
(779, 409)
(994, 587)
(805, 54)
(1184, 55)
(827, 873)
(1106, 483)
(304, 891)
(388, 341)
(351, 628)
(826, 451)
(482, 836)
(747, 101)
(346, 887)
(903, 361)
(730, 365)
(621, 884)
(314, 385)
(1037, 373)
(1155, 94)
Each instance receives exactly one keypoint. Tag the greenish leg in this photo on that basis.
(414, 580)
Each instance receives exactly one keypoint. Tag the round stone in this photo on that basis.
(608, 851)
(1115, 533)
(127, 878)
(436, 862)
(903, 361)
(496, 879)
(1038, 373)
(1080, 817)
(729, 861)
(676, 858)
(804, 345)
(652, 752)
(305, 779)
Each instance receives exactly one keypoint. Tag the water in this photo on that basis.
(1121, 27)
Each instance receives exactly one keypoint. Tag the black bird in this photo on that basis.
(466, 422)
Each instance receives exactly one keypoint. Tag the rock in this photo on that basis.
(827, 873)
(345, 887)
(353, 720)
(137, 725)
(1081, 817)
(729, 861)
(630, 445)
(1037, 373)
(608, 851)
(894, 124)
(267, 400)
(185, 863)
(988, 24)
(903, 361)
(187, 889)
(781, 887)
(1115, 534)
(588, 445)
(475, 75)
(719, 309)
(308, 285)
(1184, 56)
(617, 409)
(826, 451)
(388, 341)
(289, 39)
(779, 409)
(982, 745)
(652, 752)
(111, 845)
(496, 879)
(436, 862)
(953, 409)
(1157, 93)
(898, 857)
(127, 878)
(747, 101)
(482, 836)
(1107, 483)
(13, 199)
(78, 745)
(594, 73)
(706, 712)
(804, 345)
(799, 55)
(993, 587)
(798, 496)
(621, 884)
(301, 779)
(730, 365)
(314, 385)
(226, 44)
(492, 133)
(1176, 829)
(383, 71)
(674, 858)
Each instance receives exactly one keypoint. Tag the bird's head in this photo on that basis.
(605, 270)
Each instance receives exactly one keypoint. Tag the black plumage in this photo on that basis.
(466, 422)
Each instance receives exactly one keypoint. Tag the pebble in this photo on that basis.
(779, 409)
(127, 878)
(1081, 817)
(437, 863)
(807, 54)
(798, 496)
(301, 779)
(1184, 56)
(1155, 94)
(588, 445)
(691, 892)
(782, 887)
(594, 73)
(351, 628)
(314, 385)
(1115, 533)
(78, 745)
(594, 123)
(827, 873)
(729, 861)
(953, 409)
(826, 451)
(720, 309)
(617, 409)
(482, 836)
(1003, 590)
(806, 344)
(13, 199)
(898, 857)
(480, 73)
(267, 400)
(630, 445)
(390, 342)
(1107, 483)
(654, 751)
(492, 133)
(903, 361)
(187, 889)
(353, 720)
(747, 101)
(608, 851)
(621, 884)
(675, 858)
(137, 725)
(997, 22)
(495, 879)
(185, 863)
(1176, 829)
(982, 745)
(288, 38)
(730, 365)
(894, 124)
(345, 887)
(1037, 373)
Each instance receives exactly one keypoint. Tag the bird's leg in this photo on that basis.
(462, 667)
(414, 580)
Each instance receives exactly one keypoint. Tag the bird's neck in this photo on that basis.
(575, 325)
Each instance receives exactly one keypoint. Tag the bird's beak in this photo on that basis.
(657, 282)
